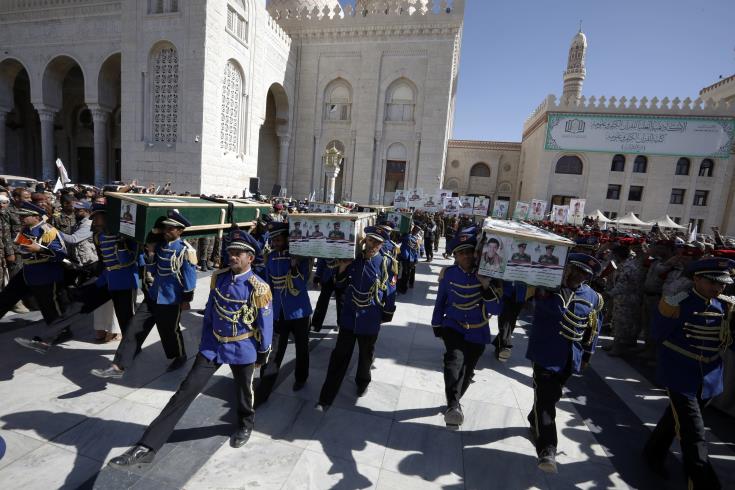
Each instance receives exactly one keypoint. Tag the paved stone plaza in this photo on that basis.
(62, 425)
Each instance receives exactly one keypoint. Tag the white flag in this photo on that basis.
(62, 172)
(58, 185)
(693, 235)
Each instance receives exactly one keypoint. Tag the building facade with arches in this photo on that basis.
(209, 94)
(694, 188)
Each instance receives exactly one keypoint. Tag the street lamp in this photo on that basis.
(332, 160)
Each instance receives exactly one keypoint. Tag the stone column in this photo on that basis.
(48, 170)
(100, 117)
(3, 162)
(283, 144)
(331, 171)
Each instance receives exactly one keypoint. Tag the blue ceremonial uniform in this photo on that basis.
(366, 284)
(174, 271)
(43, 268)
(564, 333)
(326, 270)
(409, 248)
(290, 291)
(238, 320)
(120, 257)
(366, 302)
(463, 306)
(692, 333)
(565, 325)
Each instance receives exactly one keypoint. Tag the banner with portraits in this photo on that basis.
(431, 204)
(400, 201)
(329, 236)
(481, 207)
(415, 198)
(559, 214)
(500, 209)
(514, 251)
(576, 211)
(521, 211)
(451, 206)
(538, 210)
(326, 207)
(466, 205)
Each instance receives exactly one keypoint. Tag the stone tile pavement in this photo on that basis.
(62, 425)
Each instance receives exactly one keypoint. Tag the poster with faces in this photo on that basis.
(559, 214)
(415, 198)
(576, 211)
(500, 210)
(431, 204)
(521, 211)
(481, 207)
(466, 205)
(440, 194)
(451, 206)
(519, 254)
(538, 210)
(399, 199)
(325, 237)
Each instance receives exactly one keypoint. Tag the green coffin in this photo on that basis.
(135, 214)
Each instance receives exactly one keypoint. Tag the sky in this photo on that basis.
(514, 53)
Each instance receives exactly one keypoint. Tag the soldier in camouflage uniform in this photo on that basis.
(627, 292)
(65, 219)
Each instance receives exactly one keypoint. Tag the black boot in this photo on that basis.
(241, 437)
(134, 456)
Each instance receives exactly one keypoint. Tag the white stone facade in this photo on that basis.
(208, 94)
(699, 192)
(483, 168)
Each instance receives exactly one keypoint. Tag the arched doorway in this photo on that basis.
(273, 141)
(66, 122)
(19, 132)
(395, 171)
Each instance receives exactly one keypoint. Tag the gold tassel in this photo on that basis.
(261, 296)
(49, 235)
(667, 310)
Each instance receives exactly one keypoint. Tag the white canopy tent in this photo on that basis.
(601, 218)
(666, 222)
(631, 220)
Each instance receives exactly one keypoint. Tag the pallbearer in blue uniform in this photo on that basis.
(563, 337)
(693, 329)
(464, 304)
(288, 278)
(236, 330)
(408, 256)
(515, 294)
(366, 305)
(390, 249)
(172, 262)
(324, 278)
(42, 253)
(118, 281)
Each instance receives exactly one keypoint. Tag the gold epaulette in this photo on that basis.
(669, 305)
(530, 292)
(191, 253)
(49, 234)
(261, 292)
(730, 300)
(215, 275)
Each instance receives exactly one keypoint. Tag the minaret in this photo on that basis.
(575, 73)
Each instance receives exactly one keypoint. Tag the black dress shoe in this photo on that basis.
(177, 363)
(547, 460)
(134, 456)
(241, 437)
(63, 336)
(298, 385)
